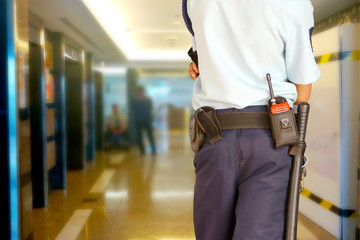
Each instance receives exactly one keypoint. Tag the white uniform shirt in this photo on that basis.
(239, 41)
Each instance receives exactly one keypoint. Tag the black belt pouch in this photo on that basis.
(284, 129)
(204, 122)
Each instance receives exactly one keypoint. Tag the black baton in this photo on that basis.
(294, 190)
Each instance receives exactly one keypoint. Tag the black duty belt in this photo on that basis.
(213, 123)
(244, 120)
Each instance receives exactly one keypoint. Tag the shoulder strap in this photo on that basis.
(186, 17)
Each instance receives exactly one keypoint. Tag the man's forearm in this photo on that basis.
(303, 93)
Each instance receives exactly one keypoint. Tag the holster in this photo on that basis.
(204, 121)
(194, 56)
(297, 150)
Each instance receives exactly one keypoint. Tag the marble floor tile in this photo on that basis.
(133, 197)
(75, 224)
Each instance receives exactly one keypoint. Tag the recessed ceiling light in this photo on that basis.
(171, 38)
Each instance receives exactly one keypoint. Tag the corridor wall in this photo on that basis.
(330, 196)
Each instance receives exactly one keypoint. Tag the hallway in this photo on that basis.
(70, 71)
(126, 196)
(130, 197)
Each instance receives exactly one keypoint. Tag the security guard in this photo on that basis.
(242, 181)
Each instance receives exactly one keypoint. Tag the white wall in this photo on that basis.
(333, 133)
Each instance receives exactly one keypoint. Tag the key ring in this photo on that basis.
(306, 160)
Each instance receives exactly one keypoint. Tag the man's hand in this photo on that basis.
(193, 71)
(303, 92)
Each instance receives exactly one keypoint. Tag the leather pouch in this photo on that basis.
(284, 129)
(197, 135)
(204, 121)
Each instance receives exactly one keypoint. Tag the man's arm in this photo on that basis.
(303, 93)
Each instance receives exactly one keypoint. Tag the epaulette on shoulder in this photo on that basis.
(186, 17)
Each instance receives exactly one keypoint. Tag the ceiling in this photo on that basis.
(325, 8)
(76, 14)
(152, 30)
(154, 25)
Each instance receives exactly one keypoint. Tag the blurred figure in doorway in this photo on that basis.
(116, 127)
(142, 112)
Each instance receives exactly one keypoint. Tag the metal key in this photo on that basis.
(303, 173)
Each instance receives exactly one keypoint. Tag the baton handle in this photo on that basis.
(293, 197)
(302, 120)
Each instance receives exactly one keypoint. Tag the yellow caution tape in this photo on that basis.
(338, 56)
(348, 213)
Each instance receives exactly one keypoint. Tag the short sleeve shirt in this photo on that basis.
(240, 41)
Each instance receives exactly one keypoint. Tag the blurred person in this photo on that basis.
(242, 180)
(116, 127)
(142, 111)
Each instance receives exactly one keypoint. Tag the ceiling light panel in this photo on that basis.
(142, 28)
(111, 20)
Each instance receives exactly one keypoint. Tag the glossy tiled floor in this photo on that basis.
(129, 197)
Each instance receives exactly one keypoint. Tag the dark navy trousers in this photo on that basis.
(241, 186)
